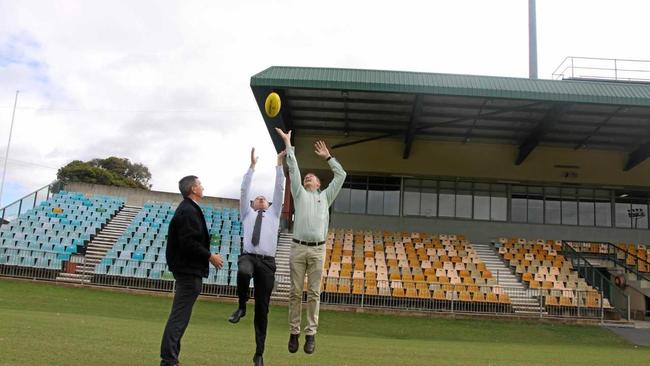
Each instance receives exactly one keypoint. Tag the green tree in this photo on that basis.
(112, 171)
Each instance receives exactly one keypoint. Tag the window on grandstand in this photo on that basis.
(603, 205)
(358, 187)
(481, 201)
(429, 198)
(464, 200)
(447, 199)
(383, 196)
(536, 205)
(518, 204)
(586, 207)
(569, 206)
(498, 202)
(631, 209)
(369, 195)
(552, 205)
(486, 201)
(412, 197)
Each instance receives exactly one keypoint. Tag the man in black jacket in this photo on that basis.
(188, 254)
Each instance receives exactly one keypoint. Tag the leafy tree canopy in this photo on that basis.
(112, 171)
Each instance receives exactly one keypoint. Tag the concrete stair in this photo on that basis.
(99, 245)
(524, 301)
(282, 275)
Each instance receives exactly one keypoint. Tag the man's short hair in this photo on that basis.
(186, 183)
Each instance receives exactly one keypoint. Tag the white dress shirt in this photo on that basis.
(270, 219)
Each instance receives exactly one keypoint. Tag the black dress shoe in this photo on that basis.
(238, 314)
(294, 342)
(258, 360)
(310, 344)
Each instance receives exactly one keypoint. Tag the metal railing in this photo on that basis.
(405, 296)
(617, 298)
(621, 258)
(26, 203)
(605, 69)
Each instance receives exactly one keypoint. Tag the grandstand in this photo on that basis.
(487, 158)
(465, 194)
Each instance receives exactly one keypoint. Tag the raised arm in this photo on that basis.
(244, 204)
(335, 185)
(278, 190)
(292, 163)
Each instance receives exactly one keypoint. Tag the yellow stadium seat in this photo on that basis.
(464, 296)
(504, 298)
(491, 297)
(551, 301)
(439, 295)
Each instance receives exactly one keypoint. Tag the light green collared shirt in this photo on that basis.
(312, 207)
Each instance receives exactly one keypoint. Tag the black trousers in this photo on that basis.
(262, 271)
(188, 288)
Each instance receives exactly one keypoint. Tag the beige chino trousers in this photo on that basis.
(305, 260)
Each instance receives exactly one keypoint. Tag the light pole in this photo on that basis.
(11, 129)
(635, 213)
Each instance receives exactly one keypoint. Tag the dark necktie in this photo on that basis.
(258, 227)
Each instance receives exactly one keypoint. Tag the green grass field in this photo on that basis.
(43, 324)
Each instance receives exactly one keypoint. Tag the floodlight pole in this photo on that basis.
(11, 129)
(532, 40)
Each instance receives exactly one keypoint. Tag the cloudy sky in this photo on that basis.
(166, 83)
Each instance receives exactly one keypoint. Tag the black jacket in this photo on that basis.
(188, 241)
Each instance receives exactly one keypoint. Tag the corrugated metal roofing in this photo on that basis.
(612, 93)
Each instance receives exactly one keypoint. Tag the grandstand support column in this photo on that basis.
(552, 115)
(638, 156)
(410, 134)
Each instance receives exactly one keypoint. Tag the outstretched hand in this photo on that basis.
(286, 137)
(253, 158)
(321, 149)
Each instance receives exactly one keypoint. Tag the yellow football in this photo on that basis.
(272, 104)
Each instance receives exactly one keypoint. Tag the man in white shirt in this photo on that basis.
(260, 220)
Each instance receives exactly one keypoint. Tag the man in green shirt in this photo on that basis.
(311, 220)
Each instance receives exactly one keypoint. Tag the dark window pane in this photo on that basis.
(375, 202)
(482, 205)
(622, 217)
(428, 204)
(464, 204)
(342, 203)
(641, 213)
(391, 203)
(358, 201)
(603, 214)
(535, 210)
(498, 207)
(587, 213)
(481, 187)
(552, 206)
(447, 203)
(518, 209)
(569, 212)
(552, 211)
(411, 203)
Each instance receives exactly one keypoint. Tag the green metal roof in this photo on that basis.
(612, 93)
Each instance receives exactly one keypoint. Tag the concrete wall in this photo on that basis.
(485, 231)
(476, 161)
(137, 197)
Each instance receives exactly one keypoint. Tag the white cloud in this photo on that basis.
(166, 83)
